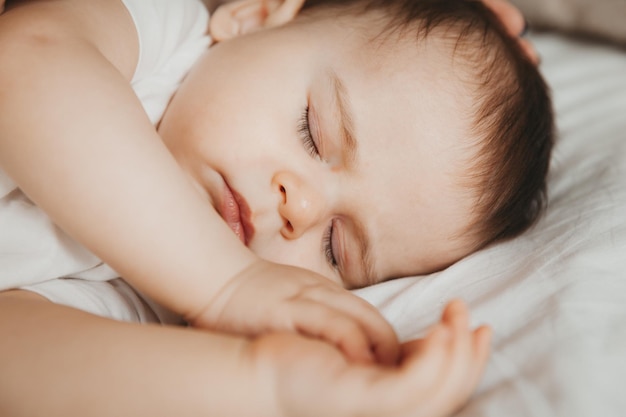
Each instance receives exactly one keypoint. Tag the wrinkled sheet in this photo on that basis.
(556, 296)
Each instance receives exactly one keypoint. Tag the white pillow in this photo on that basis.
(556, 296)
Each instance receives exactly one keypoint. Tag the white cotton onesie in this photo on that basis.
(37, 255)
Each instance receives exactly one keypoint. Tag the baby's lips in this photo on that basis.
(235, 226)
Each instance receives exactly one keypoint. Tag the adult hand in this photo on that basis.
(269, 297)
(515, 23)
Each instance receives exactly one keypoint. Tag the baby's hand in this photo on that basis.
(435, 376)
(269, 297)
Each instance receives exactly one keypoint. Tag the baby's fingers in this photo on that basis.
(382, 339)
(468, 355)
(471, 348)
(321, 322)
(426, 359)
(460, 379)
(409, 389)
(414, 350)
(481, 347)
(464, 354)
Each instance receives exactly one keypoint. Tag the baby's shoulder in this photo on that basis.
(179, 14)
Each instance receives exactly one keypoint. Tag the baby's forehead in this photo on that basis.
(413, 115)
(422, 210)
(375, 26)
(376, 38)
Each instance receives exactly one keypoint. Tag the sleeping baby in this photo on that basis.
(316, 146)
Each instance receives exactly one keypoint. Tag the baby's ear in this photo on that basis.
(244, 16)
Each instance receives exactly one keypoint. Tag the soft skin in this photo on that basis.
(348, 214)
(275, 115)
(62, 58)
(163, 371)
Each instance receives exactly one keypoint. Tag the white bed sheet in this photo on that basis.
(556, 296)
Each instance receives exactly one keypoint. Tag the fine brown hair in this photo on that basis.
(512, 111)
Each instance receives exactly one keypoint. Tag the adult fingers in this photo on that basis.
(509, 15)
(515, 24)
(529, 50)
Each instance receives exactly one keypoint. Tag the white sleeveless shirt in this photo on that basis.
(37, 255)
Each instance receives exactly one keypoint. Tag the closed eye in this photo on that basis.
(304, 129)
(327, 247)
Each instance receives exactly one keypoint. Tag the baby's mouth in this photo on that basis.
(236, 213)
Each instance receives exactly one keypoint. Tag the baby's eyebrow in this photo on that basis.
(350, 149)
(348, 140)
(366, 272)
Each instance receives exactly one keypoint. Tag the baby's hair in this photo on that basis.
(512, 116)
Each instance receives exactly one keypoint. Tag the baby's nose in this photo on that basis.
(301, 205)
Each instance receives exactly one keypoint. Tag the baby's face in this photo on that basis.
(323, 151)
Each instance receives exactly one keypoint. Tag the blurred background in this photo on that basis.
(602, 19)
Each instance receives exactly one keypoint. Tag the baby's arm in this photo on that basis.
(59, 362)
(75, 138)
(56, 361)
